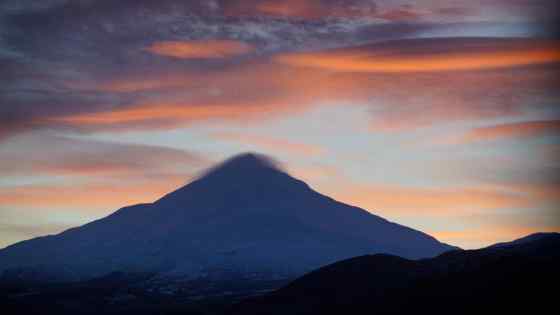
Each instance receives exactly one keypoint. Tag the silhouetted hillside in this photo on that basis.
(517, 277)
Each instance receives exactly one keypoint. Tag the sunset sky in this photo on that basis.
(440, 115)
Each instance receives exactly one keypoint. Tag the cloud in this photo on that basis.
(257, 90)
(467, 216)
(419, 201)
(317, 9)
(428, 55)
(403, 13)
(402, 103)
(86, 175)
(512, 131)
(97, 197)
(80, 67)
(200, 49)
(157, 112)
(251, 91)
(457, 11)
(50, 70)
(53, 79)
(157, 116)
(48, 178)
(91, 158)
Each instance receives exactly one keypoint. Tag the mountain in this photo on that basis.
(244, 217)
(515, 278)
(527, 239)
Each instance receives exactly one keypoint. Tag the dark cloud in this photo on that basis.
(54, 55)
(49, 50)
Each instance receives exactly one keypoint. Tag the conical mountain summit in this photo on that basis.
(243, 216)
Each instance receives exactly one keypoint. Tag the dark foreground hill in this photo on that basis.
(519, 277)
(244, 218)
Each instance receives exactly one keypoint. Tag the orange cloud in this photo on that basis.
(430, 55)
(399, 101)
(144, 83)
(301, 9)
(469, 217)
(321, 9)
(538, 193)
(89, 158)
(316, 9)
(99, 196)
(404, 13)
(272, 144)
(200, 49)
(153, 112)
(238, 93)
(513, 130)
(429, 201)
(157, 115)
(406, 102)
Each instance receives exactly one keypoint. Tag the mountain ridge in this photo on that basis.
(245, 215)
(486, 280)
(462, 281)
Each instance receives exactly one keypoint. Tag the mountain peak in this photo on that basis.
(239, 175)
(244, 215)
(245, 161)
(244, 167)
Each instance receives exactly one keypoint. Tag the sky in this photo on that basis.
(440, 115)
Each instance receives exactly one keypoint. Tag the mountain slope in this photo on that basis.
(243, 216)
(517, 278)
